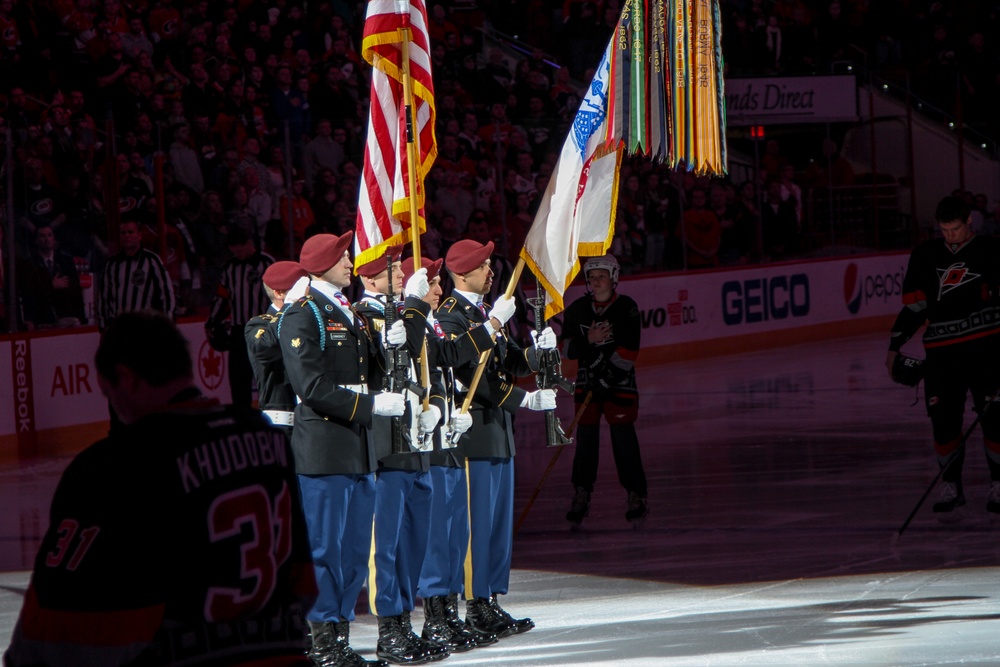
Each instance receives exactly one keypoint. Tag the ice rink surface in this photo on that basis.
(777, 480)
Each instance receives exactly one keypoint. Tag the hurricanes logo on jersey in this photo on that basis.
(954, 276)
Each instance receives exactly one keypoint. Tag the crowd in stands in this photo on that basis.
(253, 113)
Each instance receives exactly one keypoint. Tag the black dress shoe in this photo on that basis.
(438, 630)
(397, 645)
(520, 624)
(480, 615)
(462, 627)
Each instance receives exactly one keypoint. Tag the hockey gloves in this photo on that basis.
(907, 370)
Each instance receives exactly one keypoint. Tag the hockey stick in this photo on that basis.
(961, 444)
(552, 463)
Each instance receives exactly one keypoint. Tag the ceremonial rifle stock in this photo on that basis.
(397, 369)
(549, 374)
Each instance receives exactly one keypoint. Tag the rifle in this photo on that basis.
(397, 371)
(549, 374)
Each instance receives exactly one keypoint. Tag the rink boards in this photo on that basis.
(49, 399)
(50, 402)
(736, 310)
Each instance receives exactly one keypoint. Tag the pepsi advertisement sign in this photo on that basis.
(863, 287)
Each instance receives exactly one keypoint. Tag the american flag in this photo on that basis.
(384, 216)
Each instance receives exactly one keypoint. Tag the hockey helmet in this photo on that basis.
(606, 262)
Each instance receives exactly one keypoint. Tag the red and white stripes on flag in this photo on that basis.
(384, 216)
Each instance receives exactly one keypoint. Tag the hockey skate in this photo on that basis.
(636, 512)
(949, 502)
(580, 508)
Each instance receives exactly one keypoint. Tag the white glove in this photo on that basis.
(545, 340)
(543, 399)
(461, 422)
(417, 285)
(388, 404)
(298, 290)
(428, 419)
(503, 309)
(396, 335)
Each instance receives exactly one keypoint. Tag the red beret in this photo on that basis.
(378, 265)
(282, 275)
(433, 267)
(466, 255)
(322, 251)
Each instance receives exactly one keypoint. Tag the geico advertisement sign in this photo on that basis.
(765, 298)
(701, 306)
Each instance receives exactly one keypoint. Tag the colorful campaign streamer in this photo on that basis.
(666, 97)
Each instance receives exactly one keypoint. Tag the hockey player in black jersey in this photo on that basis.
(179, 539)
(601, 330)
(951, 284)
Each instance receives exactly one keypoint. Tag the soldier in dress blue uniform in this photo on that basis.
(402, 486)
(327, 350)
(489, 444)
(274, 395)
(442, 573)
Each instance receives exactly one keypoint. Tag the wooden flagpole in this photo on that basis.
(485, 356)
(412, 157)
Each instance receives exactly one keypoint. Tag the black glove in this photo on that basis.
(613, 375)
(595, 366)
(907, 370)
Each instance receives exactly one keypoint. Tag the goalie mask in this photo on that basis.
(606, 262)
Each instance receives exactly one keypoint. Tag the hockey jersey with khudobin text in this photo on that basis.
(178, 540)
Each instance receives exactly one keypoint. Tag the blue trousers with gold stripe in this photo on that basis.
(338, 511)
(402, 521)
(491, 522)
(443, 571)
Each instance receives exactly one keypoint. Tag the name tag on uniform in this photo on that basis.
(336, 331)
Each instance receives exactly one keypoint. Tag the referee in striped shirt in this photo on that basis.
(133, 279)
(239, 297)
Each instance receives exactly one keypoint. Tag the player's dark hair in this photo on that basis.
(146, 342)
(952, 208)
